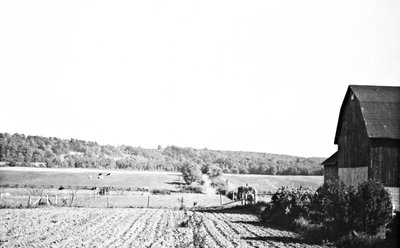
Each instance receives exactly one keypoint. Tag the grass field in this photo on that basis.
(80, 177)
(31, 180)
(138, 179)
(272, 183)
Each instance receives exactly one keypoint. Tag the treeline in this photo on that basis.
(21, 150)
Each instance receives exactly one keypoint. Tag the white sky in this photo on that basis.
(267, 76)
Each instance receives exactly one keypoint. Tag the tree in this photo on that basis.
(191, 172)
(214, 171)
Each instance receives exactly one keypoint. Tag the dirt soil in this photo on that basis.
(89, 227)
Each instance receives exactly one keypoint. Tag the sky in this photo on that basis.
(265, 76)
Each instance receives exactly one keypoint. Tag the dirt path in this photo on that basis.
(209, 190)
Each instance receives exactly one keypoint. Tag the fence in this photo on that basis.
(112, 199)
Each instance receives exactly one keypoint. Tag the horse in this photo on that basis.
(247, 194)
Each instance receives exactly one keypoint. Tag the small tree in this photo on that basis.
(371, 207)
(191, 172)
(287, 204)
(214, 171)
(331, 207)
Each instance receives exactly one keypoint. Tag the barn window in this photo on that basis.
(352, 96)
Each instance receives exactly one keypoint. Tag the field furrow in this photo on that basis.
(133, 230)
(124, 226)
(146, 236)
(164, 231)
(91, 227)
(213, 231)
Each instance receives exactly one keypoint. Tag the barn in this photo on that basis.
(368, 137)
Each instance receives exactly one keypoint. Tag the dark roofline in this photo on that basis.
(339, 124)
(353, 89)
(331, 161)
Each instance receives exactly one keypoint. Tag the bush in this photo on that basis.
(214, 171)
(357, 240)
(193, 189)
(161, 192)
(331, 207)
(342, 209)
(310, 231)
(393, 228)
(286, 205)
(220, 185)
(371, 207)
(191, 172)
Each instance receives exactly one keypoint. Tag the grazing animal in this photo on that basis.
(247, 194)
(94, 188)
(100, 174)
(108, 174)
(104, 191)
(61, 188)
(100, 177)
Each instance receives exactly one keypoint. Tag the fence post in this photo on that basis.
(47, 200)
(29, 201)
(220, 200)
(148, 200)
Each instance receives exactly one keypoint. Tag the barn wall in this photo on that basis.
(330, 173)
(394, 193)
(385, 162)
(353, 142)
(353, 176)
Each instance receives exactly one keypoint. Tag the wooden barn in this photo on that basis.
(368, 137)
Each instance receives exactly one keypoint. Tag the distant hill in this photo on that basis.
(21, 150)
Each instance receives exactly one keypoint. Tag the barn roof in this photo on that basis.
(380, 108)
(331, 161)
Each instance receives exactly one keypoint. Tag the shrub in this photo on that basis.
(331, 207)
(287, 204)
(193, 189)
(191, 172)
(214, 171)
(310, 231)
(357, 240)
(342, 209)
(160, 192)
(371, 207)
(393, 228)
(220, 185)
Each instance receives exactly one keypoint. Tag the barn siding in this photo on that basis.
(385, 162)
(353, 176)
(353, 143)
(394, 193)
(330, 173)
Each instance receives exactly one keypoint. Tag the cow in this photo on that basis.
(61, 188)
(100, 176)
(104, 190)
(108, 174)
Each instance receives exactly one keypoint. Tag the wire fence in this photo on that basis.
(117, 199)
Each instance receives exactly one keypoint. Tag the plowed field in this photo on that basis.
(84, 227)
